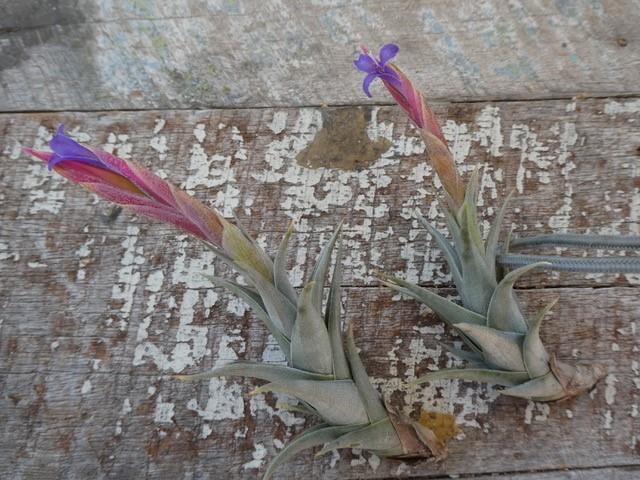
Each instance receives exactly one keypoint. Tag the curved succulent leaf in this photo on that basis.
(332, 319)
(281, 311)
(280, 277)
(502, 350)
(319, 273)
(310, 343)
(252, 298)
(491, 248)
(453, 226)
(469, 209)
(453, 260)
(246, 252)
(540, 389)
(478, 284)
(338, 402)
(370, 396)
(450, 312)
(318, 435)
(535, 356)
(270, 373)
(504, 312)
(484, 375)
(380, 435)
(300, 407)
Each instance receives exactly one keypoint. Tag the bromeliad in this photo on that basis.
(504, 348)
(324, 371)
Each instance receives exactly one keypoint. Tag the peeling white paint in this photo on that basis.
(607, 420)
(259, 453)
(199, 132)
(279, 122)
(225, 397)
(86, 387)
(489, 130)
(83, 253)
(128, 275)
(164, 411)
(191, 340)
(126, 407)
(5, 254)
(46, 191)
(536, 411)
(610, 389)
(614, 108)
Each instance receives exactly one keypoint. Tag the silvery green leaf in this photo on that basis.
(380, 435)
(319, 273)
(450, 312)
(336, 401)
(221, 254)
(502, 350)
(482, 375)
(280, 277)
(447, 249)
(541, 389)
(370, 396)
(535, 356)
(504, 312)
(252, 298)
(299, 407)
(478, 282)
(332, 319)
(471, 200)
(310, 343)
(494, 235)
(268, 372)
(453, 226)
(281, 311)
(246, 253)
(318, 435)
(243, 230)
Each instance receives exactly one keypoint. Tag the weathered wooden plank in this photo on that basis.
(575, 166)
(97, 312)
(591, 474)
(100, 54)
(82, 404)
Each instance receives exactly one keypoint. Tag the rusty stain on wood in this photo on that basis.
(342, 142)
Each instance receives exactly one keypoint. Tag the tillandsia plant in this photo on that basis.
(504, 348)
(324, 371)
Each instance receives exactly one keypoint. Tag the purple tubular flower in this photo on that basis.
(64, 148)
(377, 68)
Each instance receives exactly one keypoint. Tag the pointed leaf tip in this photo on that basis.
(504, 312)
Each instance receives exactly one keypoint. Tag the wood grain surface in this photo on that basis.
(100, 308)
(111, 54)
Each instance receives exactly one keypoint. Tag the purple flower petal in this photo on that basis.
(64, 148)
(367, 81)
(366, 64)
(387, 52)
(391, 76)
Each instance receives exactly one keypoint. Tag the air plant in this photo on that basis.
(324, 371)
(504, 347)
